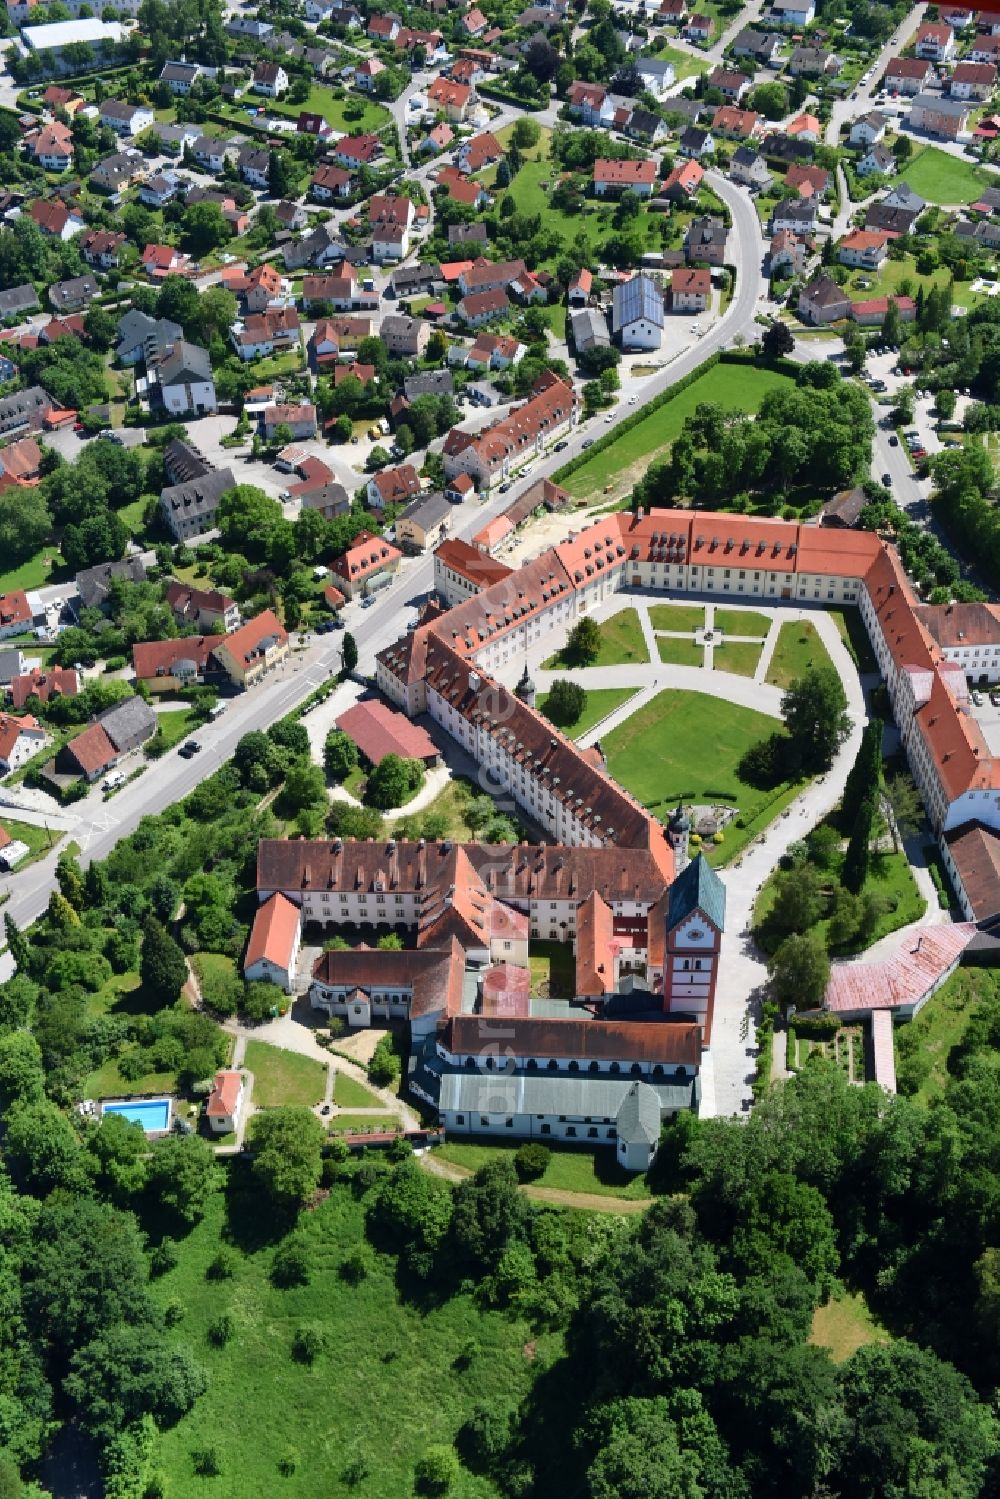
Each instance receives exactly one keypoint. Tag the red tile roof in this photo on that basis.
(92, 750)
(379, 730)
(224, 1096)
(906, 978)
(274, 932)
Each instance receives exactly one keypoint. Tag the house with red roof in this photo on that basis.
(273, 948)
(612, 177)
(252, 650)
(579, 289)
(367, 561)
(684, 181)
(58, 681)
(225, 1102)
(20, 738)
(864, 249)
(379, 730)
(451, 99)
(16, 613)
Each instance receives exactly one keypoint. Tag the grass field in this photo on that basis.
(798, 648)
(684, 65)
(659, 754)
(348, 1093)
(738, 656)
(737, 387)
(677, 616)
(600, 702)
(34, 573)
(569, 1170)
(363, 1123)
(38, 840)
(844, 1325)
(553, 970)
(387, 1383)
(929, 1039)
(173, 724)
(323, 102)
(942, 178)
(281, 1077)
(680, 652)
(594, 223)
(855, 637)
(886, 282)
(622, 641)
(742, 622)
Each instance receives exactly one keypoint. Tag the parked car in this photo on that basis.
(887, 480)
(894, 441)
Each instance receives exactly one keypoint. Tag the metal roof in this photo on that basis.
(697, 888)
(576, 1097)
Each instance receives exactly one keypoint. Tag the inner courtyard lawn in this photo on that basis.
(387, 1383)
(622, 641)
(600, 702)
(742, 622)
(680, 652)
(686, 745)
(348, 1093)
(284, 1077)
(677, 616)
(798, 648)
(741, 657)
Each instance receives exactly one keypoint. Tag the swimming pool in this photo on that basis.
(152, 1113)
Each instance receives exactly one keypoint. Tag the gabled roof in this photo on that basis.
(274, 932)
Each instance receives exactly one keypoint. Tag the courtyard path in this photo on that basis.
(593, 1202)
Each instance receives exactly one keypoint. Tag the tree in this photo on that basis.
(770, 100)
(436, 1471)
(640, 1456)
(69, 878)
(120, 1149)
(25, 523)
(411, 1212)
(129, 1372)
(584, 642)
(22, 1075)
(162, 969)
(203, 228)
(815, 713)
(531, 1161)
(566, 702)
(865, 773)
(279, 174)
(778, 341)
(41, 1145)
(247, 519)
(526, 133)
(184, 1174)
(20, 947)
(906, 807)
(348, 654)
(488, 1214)
(892, 326)
(799, 902)
(102, 537)
(857, 860)
(288, 1145)
(800, 971)
(340, 755)
(178, 300)
(392, 781)
(384, 1067)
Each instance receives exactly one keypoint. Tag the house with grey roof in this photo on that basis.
(73, 295)
(183, 381)
(141, 337)
(93, 584)
(188, 509)
(589, 328)
(24, 411)
(637, 313)
(17, 300)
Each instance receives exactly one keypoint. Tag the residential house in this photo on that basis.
(17, 610)
(985, 48)
(493, 351)
(101, 248)
(188, 508)
(211, 152)
(366, 73)
(66, 99)
(356, 151)
(735, 124)
(180, 77)
(393, 486)
(300, 419)
(592, 102)
(383, 28)
(903, 196)
(479, 152)
(872, 313)
(589, 330)
(93, 584)
(706, 241)
(272, 951)
(270, 79)
(404, 337)
(329, 182)
(809, 182)
(52, 146)
(805, 127)
(390, 218)
(749, 168)
(690, 290)
(487, 275)
(119, 730)
(579, 289)
(73, 295)
(141, 337)
(55, 218)
(812, 62)
(252, 650)
(907, 75)
(869, 130)
(683, 182)
(695, 143)
(823, 301)
(655, 76)
(790, 13)
(424, 522)
(787, 254)
(20, 739)
(312, 124)
(637, 313)
(891, 221)
(643, 125)
(614, 177)
(944, 118)
(733, 86)
(762, 47)
(160, 261)
(262, 334)
(158, 191)
(205, 608)
(795, 214)
(125, 119)
(20, 462)
(493, 454)
(59, 681)
(451, 99)
(183, 381)
(173, 665)
(483, 306)
(973, 80)
(24, 411)
(876, 159)
(252, 164)
(368, 563)
(935, 41)
(228, 1095)
(698, 28)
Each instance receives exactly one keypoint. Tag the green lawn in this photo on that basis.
(622, 641)
(844, 1325)
(660, 753)
(685, 66)
(282, 1077)
(941, 178)
(262, 1406)
(855, 637)
(108, 1082)
(174, 724)
(737, 387)
(553, 969)
(924, 1045)
(680, 652)
(798, 648)
(594, 223)
(890, 879)
(39, 840)
(569, 1170)
(742, 622)
(677, 616)
(364, 1123)
(887, 282)
(34, 573)
(600, 702)
(738, 656)
(348, 1093)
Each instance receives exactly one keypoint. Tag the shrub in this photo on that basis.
(206, 1462)
(288, 1462)
(355, 1267)
(384, 1067)
(436, 1471)
(531, 1162)
(222, 1267)
(290, 1266)
(307, 1344)
(220, 1330)
(173, 1312)
(163, 1257)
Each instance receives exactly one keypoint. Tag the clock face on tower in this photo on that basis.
(695, 935)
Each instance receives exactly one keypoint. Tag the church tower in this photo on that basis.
(525, 688)
(678, 832)
(696, 919)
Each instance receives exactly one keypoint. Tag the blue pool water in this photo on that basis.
(152, 1113)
